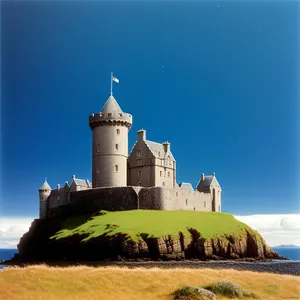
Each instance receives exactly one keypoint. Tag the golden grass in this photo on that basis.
(89, 283)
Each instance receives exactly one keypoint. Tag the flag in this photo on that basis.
(115, 79)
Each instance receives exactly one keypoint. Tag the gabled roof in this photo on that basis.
(186, 186)
(111, 106)
(204, 185)
(157, 148)
(45, 186)
(82, 182)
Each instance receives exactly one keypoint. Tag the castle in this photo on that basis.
(146, 179)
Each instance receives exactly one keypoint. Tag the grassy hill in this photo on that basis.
(154, 223)
(143, 234)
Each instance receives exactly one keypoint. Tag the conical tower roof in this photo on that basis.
(111, 106)
(45, 186)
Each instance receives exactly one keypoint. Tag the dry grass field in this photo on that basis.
(53, 283)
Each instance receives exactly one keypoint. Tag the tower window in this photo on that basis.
(163, 183)
(117, 147)
(97, 168)
(109, 114)
(118, 131)
(168, 174)
(204, 203)
(186, 202)
(140, 184)
(116, 168)
(139, 162)
(98, 147)
(158, 153)
(160, 173)
(139, 173)
(139, 152)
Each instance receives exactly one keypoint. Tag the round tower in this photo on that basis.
(44, 193)
(110, 145)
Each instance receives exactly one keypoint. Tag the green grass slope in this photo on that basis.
(154, 223)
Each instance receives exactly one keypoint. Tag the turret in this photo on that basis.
(44, 193)
(110, 145)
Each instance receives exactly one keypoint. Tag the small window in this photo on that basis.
(176, 194)
(163, 183)
(204, 203)
(97, 168)
(118, 131)
(219, 208)
(109, 114)
(158, 153)
(98, 147)
(117, 147)
(186, 202)
(140, 184)
(139, 173)
(160, 173)
(194, 208)
(116, 168)
(168, 174)
(139, 153)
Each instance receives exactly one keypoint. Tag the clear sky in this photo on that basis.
(218, 80)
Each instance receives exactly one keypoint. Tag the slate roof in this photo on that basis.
(82, 182)
(186, 186)
(111, 106)
(45, 186)
(204, 185)
(158, 148)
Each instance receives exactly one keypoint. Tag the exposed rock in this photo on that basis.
(36, 245)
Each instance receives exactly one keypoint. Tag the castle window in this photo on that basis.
(98, 147)
(139, 152)
(118, 131)
(204, 203)
(116, 168)
(139, 162)
(168, 174)
(139, 173)
(140, 184)
(186, 202)
(109, 114)
(97, 168)
(163, 183)
(117, 147)
(160, 173)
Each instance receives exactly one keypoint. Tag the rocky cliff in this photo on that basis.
(58, 239)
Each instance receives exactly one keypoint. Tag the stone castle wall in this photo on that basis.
(129, 198)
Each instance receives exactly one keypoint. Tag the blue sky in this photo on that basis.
(217, 79)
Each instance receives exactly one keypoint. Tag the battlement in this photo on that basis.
(104, 119)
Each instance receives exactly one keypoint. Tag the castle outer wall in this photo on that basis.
(128, 198)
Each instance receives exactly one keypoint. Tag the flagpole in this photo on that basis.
(111, 82)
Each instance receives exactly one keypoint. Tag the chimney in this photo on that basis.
(166, 146)
(202, 176)
(213, 174)
(58, 187)
(141, 135)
